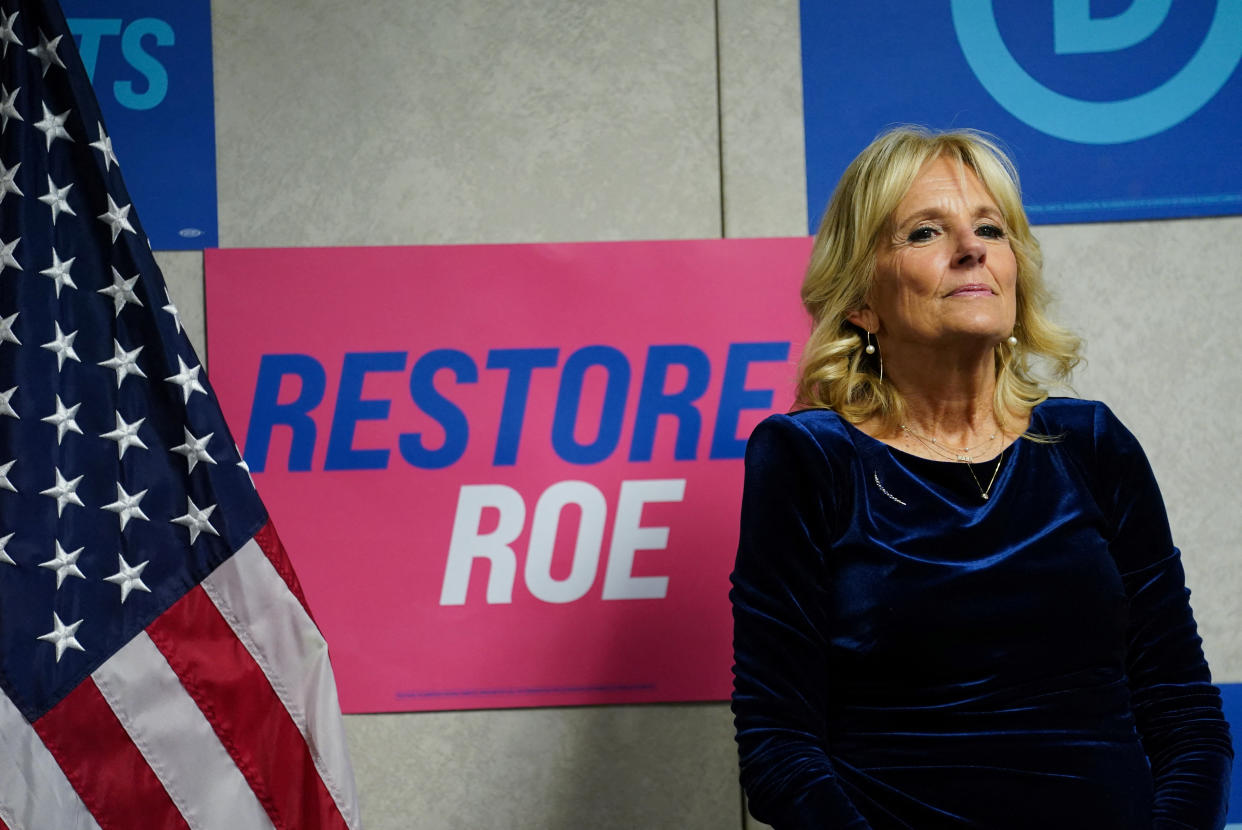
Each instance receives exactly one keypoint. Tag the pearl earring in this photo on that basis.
(870, 346)
(1012, 341)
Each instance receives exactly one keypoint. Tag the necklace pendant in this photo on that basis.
(965, 458)
(985, 496)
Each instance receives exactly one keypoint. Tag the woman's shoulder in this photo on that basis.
(1071, 412)
(822, 426)
(805, 452)
(1084, 425)
(807, 433)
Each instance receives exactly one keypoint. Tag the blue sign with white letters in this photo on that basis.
(150, 64)
(1112, 109)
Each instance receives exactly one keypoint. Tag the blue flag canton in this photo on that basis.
(120, 486)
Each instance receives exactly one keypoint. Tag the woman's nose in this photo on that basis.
(970, 250)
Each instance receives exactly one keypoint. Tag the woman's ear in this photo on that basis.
(865, 319)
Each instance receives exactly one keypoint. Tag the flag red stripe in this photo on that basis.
(102, 763)
(269, 543)
(236, 698)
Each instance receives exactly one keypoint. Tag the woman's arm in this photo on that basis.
(781, 679)
(1176, 708)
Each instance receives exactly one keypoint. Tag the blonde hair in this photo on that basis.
(835, 372)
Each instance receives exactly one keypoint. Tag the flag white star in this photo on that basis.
(4, 476)
(121, 290)
(171, 308)
(117, 218)
(6, 32)
(64, 563)
(53, 126)
(62, 636)
(195, 449)
(55, 198)
(129, 578)
(196, 521)
(64, 492)
(64, 419)
(7, 260)
(126, 506)
(104, 146)
(59, 272)
(46, 52)
(125, 363)
(241, 462)
(125, 435)
(4, 554)
(8, 180)
(63, 346)
(187, 379)
(8, 107)
(6, 329)
(6, 408)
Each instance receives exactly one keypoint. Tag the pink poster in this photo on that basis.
(509, 475)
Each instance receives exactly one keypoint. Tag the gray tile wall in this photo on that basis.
(416, 122)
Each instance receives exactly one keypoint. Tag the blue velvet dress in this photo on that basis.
(909, 655)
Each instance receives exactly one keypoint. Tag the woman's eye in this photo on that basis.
(921, 234)
(991, 231)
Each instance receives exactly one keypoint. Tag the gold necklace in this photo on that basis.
(988, 491)
(958, 454)
(939, 449)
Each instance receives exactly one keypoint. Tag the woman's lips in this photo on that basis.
(972, 290)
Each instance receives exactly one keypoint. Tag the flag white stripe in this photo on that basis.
(177, 741)
(34, 792)
(285, 642)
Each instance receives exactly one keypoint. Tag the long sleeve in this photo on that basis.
(781, 675)
(1176, 708)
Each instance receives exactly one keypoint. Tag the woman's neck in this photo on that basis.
(950, 404)
(948, 394)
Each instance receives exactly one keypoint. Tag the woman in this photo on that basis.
(956, 600)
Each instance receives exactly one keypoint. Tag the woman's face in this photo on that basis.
(944, 270)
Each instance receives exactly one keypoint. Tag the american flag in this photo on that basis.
(158, 664)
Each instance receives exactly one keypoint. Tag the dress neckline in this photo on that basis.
(899, 454)
(950, 480)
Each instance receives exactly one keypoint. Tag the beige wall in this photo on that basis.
(414, 122)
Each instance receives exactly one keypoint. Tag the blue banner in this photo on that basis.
(150, 64)
(1231, 693)
(1112, 109)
